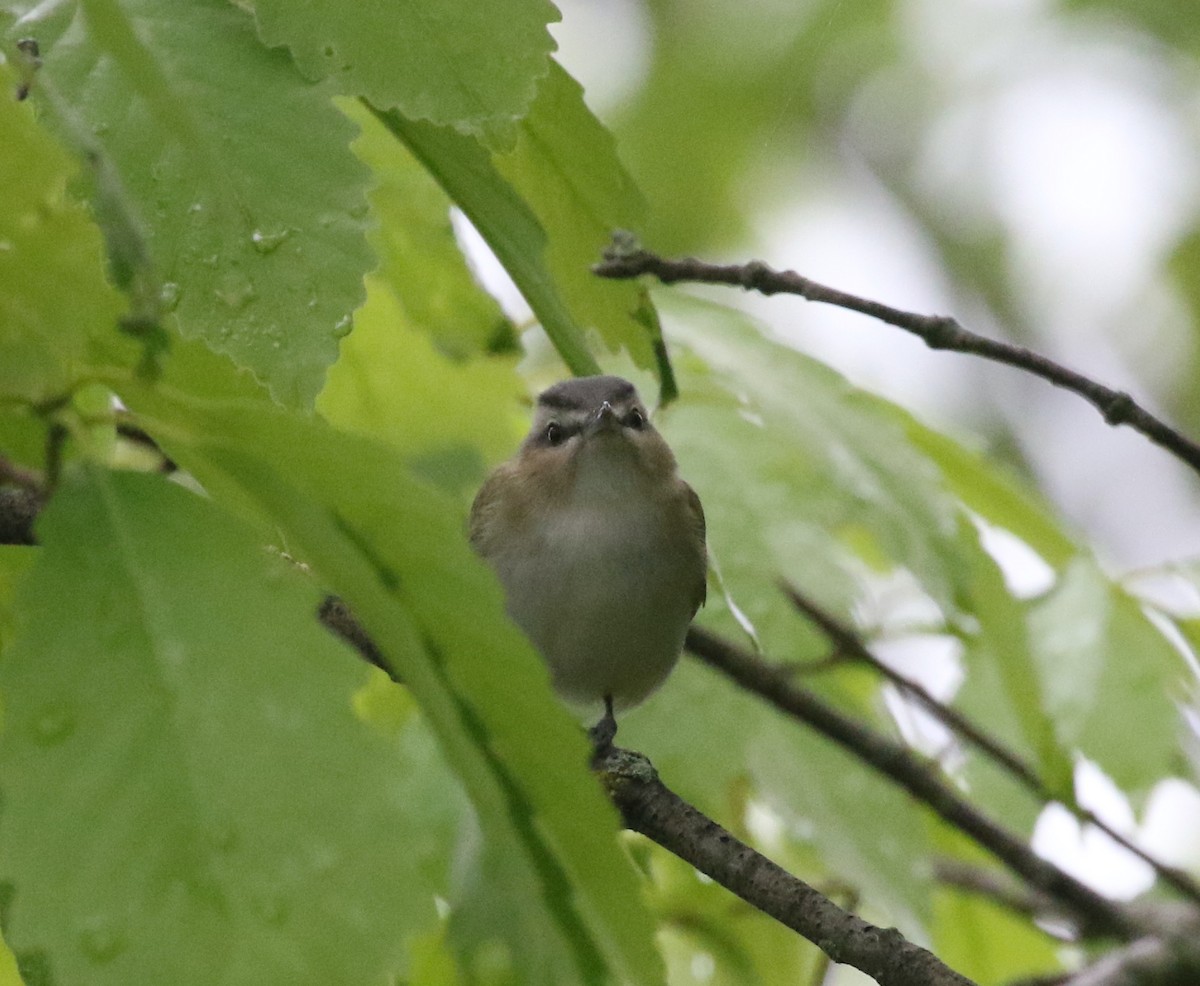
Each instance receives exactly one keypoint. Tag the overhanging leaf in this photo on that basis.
(253, 207)
(465, 170)
(473, 66)
(565, 166)
(392, 383)
(56, 302)
(188, 795)
(1101, 661)
(396, 552)
(420, 259)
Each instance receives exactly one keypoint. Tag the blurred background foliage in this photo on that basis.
(1026, 165)
(350, 305)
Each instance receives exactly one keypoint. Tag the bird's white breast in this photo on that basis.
(604, 587)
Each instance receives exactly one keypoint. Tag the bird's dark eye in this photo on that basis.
(555, 433)
(635, 420)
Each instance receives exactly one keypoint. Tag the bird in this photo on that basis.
(598, 543)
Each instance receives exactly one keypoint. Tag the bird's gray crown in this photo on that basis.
(585, 393)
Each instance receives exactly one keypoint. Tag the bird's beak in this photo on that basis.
(606, 419)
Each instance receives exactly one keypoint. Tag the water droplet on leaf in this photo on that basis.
(101, 941)
(235, 291)
(225, 838)
(266, 243)
(343, 327)
(168, 295)
(53, 725)
(273, 910)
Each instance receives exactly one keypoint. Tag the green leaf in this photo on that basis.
(56, 302)
(420, 259)
(473, 66)
(189, 797)
(977, 936)
(984, 489)
(1176, 25)
(396, 552)
(1102, 661)
(10, 975)
(987, 942)
(765, 81)
(818, 787)
(392, 383)
(254, 208)
(23, 436)
(1003, 686)
(565, 166)
(828, 488)
(1183, 270)
(547, 208)
(699, 918)
(15, 562)
(506, 221)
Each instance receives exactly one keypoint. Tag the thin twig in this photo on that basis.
(649, 807)
(999, 888)
(623, 260)
(12, 474)
(1149, 961)
(847, 643)
(56, 440)
(906, 769)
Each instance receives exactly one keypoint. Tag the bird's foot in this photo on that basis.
(605, 731)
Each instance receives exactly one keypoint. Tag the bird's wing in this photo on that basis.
(482, 508)
(696, 512)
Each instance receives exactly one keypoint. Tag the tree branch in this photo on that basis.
(649, 807)
(847, 642)
(1149, 961)
(19, 507)
(903, 767)
(22, 494)
(624, 260)
(18, 475)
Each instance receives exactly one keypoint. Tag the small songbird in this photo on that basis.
(598, 543)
